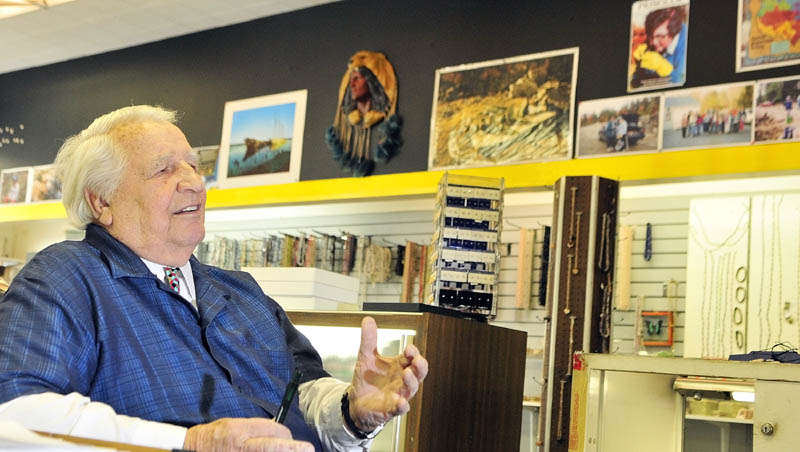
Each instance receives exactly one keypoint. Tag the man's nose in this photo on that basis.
(190, 179)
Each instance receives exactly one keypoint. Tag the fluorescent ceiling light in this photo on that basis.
(10, 8)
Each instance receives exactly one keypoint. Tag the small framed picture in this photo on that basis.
(262, 140)
(15, 185)
(658, 43)
(707, 116)
(628, 124)
(777, 110)
(45, 186)
(657, 328)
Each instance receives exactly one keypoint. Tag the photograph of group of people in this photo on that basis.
(735, 114)
(695, 123)
(708, 116)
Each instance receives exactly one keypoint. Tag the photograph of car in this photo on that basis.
(622, 124)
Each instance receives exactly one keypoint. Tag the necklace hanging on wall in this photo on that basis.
(571, 238)
(575, 270)
(367, 98)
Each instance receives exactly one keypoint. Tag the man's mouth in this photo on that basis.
(188, 209)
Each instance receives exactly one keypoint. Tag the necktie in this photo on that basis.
(171, 278)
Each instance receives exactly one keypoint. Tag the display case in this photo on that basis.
(683, 404)
(465, 261)
(471, 399)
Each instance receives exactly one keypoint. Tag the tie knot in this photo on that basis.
(171, 278)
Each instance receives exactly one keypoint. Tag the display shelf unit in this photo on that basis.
(749, 159)
(465, 261)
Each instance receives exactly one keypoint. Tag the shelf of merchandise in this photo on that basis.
(749, 159)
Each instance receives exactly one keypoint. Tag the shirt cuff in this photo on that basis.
(321, 403)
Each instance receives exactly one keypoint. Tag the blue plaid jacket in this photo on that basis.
(89, 317)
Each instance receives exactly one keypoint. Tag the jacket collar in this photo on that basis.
(211, 297)
(122, 261)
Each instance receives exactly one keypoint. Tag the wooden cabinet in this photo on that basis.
(471, 399)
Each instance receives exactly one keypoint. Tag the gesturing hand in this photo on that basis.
(382, 386)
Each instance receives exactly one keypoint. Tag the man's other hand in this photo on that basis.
(382, 387)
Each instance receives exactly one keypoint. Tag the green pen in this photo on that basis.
(288, 396)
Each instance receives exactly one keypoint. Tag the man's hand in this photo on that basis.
(382, 386)
(256, 435)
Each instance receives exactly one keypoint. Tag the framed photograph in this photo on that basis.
(658, 43)
(766, 34)
(777, 110)
(629, 124)
(209, 160)
(45, 186)
(262, 140)
(506, 111)
(708, 116)
(15, 185)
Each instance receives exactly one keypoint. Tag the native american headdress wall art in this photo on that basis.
(367, 97)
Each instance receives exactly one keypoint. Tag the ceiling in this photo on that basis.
(89, 27)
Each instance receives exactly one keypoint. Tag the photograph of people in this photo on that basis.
(622, 124)
(14, 185)
(46, 186)
(659, 61)
(708, 116)
(126, 333)
(777, 110)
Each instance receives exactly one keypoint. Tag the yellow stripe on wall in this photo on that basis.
(638, 167)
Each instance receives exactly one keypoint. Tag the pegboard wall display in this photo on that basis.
(579, 292)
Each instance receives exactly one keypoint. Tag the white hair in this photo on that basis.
(94, 160)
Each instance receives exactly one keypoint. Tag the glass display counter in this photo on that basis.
(471, 399)
(657, 404)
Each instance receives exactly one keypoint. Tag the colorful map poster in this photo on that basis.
(768, 34)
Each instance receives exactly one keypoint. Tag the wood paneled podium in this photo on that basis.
(471, 399)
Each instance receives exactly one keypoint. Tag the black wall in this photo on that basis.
(308, 49)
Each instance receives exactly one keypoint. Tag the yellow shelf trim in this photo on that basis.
(662, 165)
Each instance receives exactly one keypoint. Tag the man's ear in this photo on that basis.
(100, 208)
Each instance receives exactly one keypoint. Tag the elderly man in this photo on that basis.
(125, 336)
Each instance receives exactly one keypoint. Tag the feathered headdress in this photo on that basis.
(349, 137)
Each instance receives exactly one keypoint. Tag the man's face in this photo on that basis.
(358, 86)
(661, 37)
(159, 208)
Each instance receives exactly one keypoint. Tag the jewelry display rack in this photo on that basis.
(579, 294)
(465, 260)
